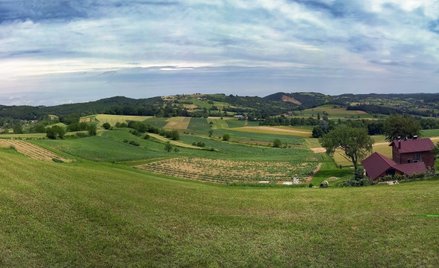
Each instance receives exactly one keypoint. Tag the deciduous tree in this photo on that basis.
(355, 142)
(397, 126)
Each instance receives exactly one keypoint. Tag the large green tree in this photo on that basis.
(355, 142)
(398, 126)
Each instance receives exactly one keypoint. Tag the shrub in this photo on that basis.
(199, 144)
(81, 126)
(277, 143)
(106, 125)
(168, 147)
(55, 132)
(135, 143)
(81, 135)
(226, 137)
(358, 180)
(50, 133)
(146, 137)
(173, 135)
(152, 129)
(92, 130)
(121, 125)
(135, 133)
(139, 126)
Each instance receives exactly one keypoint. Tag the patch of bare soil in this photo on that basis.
(318, 150)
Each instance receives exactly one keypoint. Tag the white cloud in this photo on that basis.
(363, 38)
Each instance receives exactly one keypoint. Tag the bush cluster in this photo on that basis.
(134, 143)
(358, 180)
(199, 144)
(55, 132)
(139, 128)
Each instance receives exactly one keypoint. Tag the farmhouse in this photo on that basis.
(409, 157)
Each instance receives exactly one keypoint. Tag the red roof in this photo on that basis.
(412, 168)
(376, 164)
(413, 145)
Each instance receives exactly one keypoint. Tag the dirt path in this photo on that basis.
(317, 169)
(176, 143)
(318, 150)
(31, 150)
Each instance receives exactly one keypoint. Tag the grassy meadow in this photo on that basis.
(123, 201)
(101, 214)
(334, 112)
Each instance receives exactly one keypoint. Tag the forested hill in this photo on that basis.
(420, 104)
(221, 104)
(114, 105)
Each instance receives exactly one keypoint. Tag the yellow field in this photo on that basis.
(113, 119)
(31, 150)
(179, 123)
(218, 123)
(276, 130)
(23, 136)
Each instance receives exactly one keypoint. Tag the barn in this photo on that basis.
(409, 157)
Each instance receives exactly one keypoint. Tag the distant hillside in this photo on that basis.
(116, 105)
(302, 99)
(421, 104)
(203, 105)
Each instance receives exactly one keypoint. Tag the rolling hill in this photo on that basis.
(202, 105)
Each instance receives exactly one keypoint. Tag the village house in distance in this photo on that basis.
(409, 157)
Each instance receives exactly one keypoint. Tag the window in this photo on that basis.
(417, 157)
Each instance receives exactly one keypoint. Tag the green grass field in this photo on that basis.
(334, 112)
(101, 214)
(199, 126)
(430, 133)
(158, 122)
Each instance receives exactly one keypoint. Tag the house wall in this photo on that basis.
(396, 155)
(426, 157)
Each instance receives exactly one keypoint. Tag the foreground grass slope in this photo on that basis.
(98, 214)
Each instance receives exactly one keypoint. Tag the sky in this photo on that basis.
(61, 51)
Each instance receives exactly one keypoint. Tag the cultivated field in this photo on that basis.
(23, 136)
(178, 123)
(276, 130)
(30, 150)
(112, 119)
(226, 171)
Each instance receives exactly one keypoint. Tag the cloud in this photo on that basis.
(313, 40)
